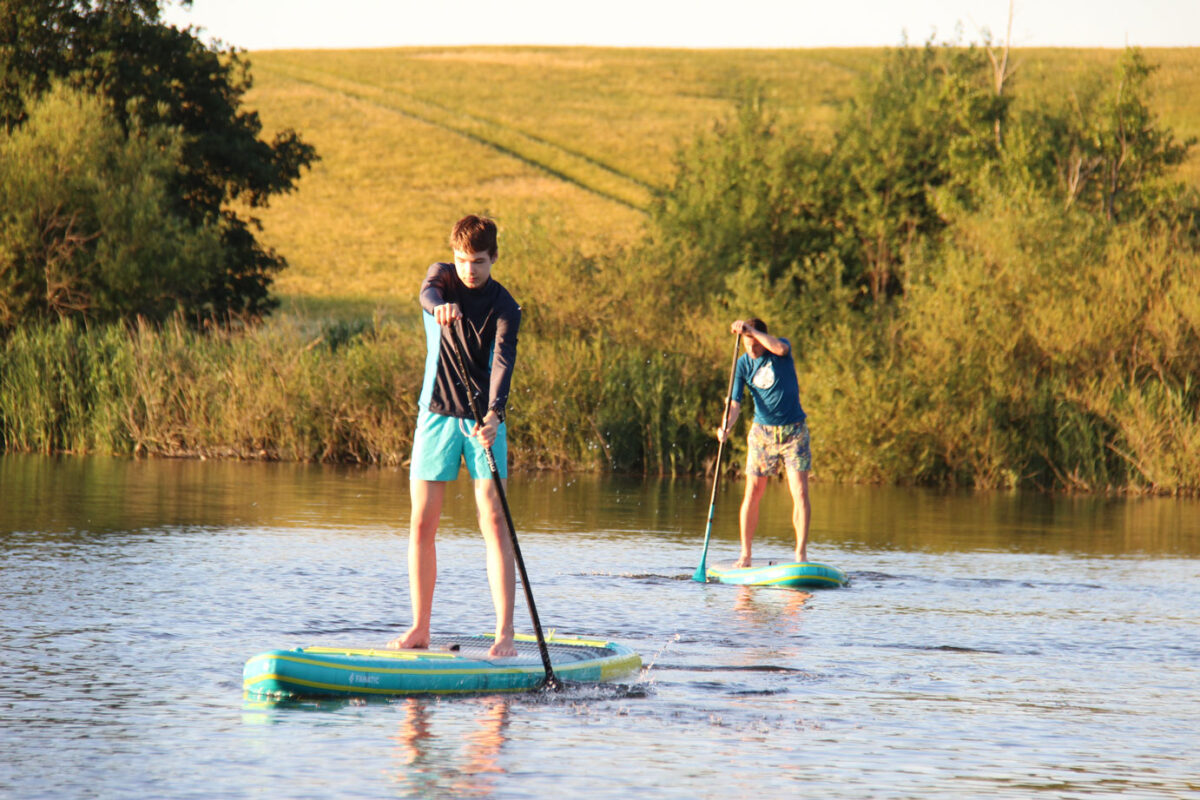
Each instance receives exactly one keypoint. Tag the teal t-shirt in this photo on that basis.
(772, 382)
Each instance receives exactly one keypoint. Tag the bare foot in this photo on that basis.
(742, 562)
(801, 557)
(503, 648)
(412, 639)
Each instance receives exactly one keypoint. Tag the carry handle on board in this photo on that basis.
(701, 573)
(551, 681)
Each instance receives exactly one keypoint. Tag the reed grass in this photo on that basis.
(281, 391)
(345, 393)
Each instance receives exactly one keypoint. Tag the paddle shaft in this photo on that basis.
(701, 572)
(551, 681)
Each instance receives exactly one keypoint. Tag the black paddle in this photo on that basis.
(551, 681)
(701, 573)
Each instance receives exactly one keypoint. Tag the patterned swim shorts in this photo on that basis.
(776, 446)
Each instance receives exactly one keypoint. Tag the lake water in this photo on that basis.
(989, 645)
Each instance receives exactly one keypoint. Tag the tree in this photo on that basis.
(154, 74)
(748, 193)
(1100, 149)
(925, 124)
(1119, 145)
(86, 226)
(752, 194)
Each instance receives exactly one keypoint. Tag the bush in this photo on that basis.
(86, 222)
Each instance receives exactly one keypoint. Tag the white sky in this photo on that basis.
(311, 24)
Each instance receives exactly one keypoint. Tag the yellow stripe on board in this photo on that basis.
(551, 637)
(492, 670)
(611, 669)
(339, 687)
(806, 577)
(415, 653)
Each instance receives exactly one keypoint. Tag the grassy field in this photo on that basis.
(574, 140)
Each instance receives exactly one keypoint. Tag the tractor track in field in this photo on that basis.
(562, 163)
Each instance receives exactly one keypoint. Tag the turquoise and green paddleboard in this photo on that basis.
(801, 575)
(451, 665)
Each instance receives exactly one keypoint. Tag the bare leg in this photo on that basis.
(801, 511)
(748, 516)
(501, 566)
(427, 497)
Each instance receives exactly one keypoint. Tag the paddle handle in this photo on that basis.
(701, 573)
(456, 349)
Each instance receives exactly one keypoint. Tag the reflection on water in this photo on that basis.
(762, 608)
(111, 494)
(94, 495)
(431, 763)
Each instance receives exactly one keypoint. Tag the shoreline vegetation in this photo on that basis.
(988, 314)
(337, 393)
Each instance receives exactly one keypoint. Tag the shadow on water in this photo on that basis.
(767, 668)
(883, 579)
(941, 648)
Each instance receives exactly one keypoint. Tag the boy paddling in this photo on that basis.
(463, 307)
(778, 438)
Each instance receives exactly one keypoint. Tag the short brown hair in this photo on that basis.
(473, 234)
(757, 324)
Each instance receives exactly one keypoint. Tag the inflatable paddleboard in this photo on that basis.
(802, 575)
(451, 665)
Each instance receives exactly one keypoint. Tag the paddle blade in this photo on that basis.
(701, 573)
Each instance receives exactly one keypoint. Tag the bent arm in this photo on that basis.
(771, 343)
(434, 295)
(433, 288)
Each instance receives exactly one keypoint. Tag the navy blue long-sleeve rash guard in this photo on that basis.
(491, 318)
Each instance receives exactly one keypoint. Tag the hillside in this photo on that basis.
(574, 140)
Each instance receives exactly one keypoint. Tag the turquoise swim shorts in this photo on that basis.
(441, 443)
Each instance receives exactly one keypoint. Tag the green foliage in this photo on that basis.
(922, 125)
(280, 392)
(610, 374)
(271, 392)
(1028, 267)
(153, 75)
(1062, 320)
(1100, 147)
(49, 383)
(748, 193)
(752, 192)
(86, 226)
(812, 296)
(963, 311)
